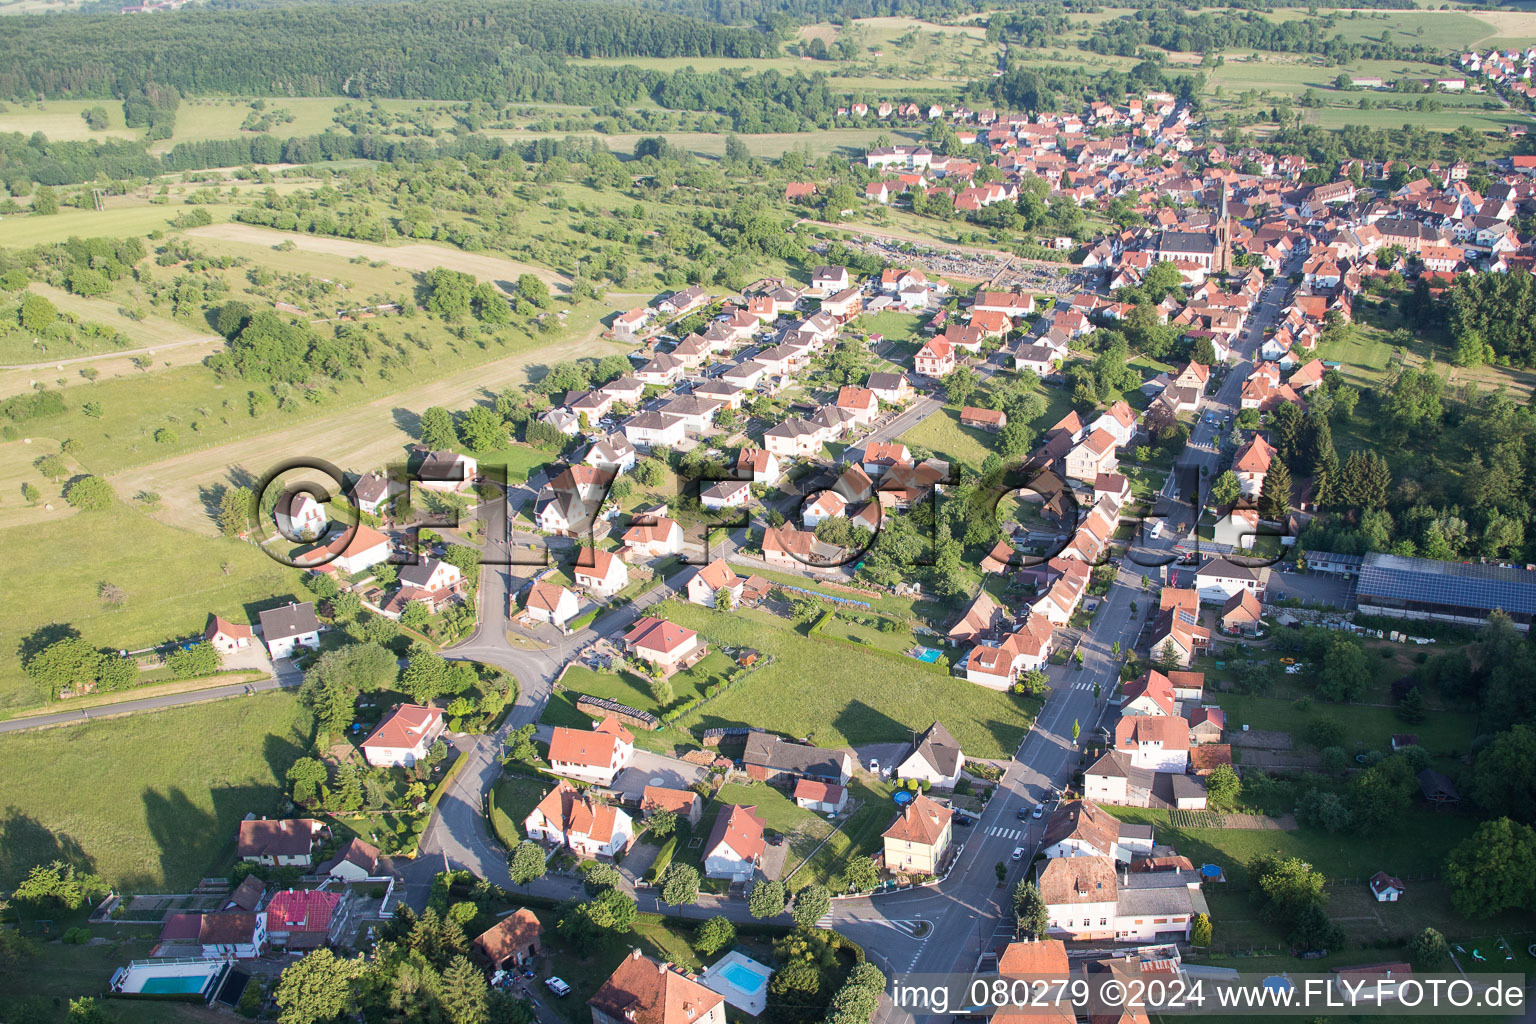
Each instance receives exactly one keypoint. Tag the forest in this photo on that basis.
(457, 49)
(1177, 30)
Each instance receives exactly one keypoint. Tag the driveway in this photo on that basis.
(650, 769)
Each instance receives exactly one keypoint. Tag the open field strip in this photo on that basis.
(416, 256)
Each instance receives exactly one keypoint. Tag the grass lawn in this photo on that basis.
(802, 829)
(1417, 846)
(943, 435)
(38, 988)
(171, 577)
(628, 688)
(513, 797)
(1367, 727)
(859, 836)
(151, 801)
(837, 695)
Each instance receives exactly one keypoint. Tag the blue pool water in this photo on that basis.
(744, 978)
(175, 985)
(928, 654)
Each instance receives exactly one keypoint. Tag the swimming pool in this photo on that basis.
(929, 655)
(743, 977)
(183, 985)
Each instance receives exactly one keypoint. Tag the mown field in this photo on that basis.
(835, 695)
(172, 579)
(150, 802)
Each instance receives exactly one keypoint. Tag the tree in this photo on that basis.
(482, 430)
(1288, 891)
(1346, 674)
(1223, 787)
(1225, 490)
(464, 996)
(426, 674)
(89, 494)
(1412, 709)
(490, 306)
(714, 935)
(1504, 775)
(960, 384)
(305, 777)
(1077, 729)
(235, 511)
(527, 862)
(766, 899)
(860, 875)
(87, 1010)
(51, 466)
(1200, 930)
(1031, 916)
(1429, 951)
(36, 314)
(532, 288)
(811, 904)
(437, 428)
(1324, 809)
(661, 692)
(1275, 492)
(680, 884)
(449, 294)
(60, 884)
(1494, 869)
(662, 823)
(30, 494)
(317, 988)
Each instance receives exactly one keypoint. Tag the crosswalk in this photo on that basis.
(1004, 832)
(1080, 684)
(911, 927)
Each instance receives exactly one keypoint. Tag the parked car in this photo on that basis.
(1018, 853)
(1039, 811)
(874, 765)
(557, 986)
(1023, 813)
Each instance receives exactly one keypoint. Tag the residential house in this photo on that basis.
(726, 494)
(446, 472)
(1251, 464)
(571, 819)
(431, 581)
(654, 536)
(770, 758)
(279, 842)
(514, 940)
(1242, 614)
(595, 755)
(299, 516)
(611, 452)
(1093, 455)
(550, 602)
(935, 359)
(759, 466)
(1081, 828)
(1177, 634)
(828, 280)
(353, 550)
(371, 492)
(1113, 779)
(705, 586)
(983, 615)
(685, 803)
(290, 627)
(232, 934)
(643, 991)
(355, 862)
(1087, 900)
(1206, 725)
(861, 402)
(601, 573)
(664, 644)
(226, 637)
(821, 797)
(917, 840)
(568, 505)
(735, 845)
(300, 918)
(404, 736)
(880, 456)
(648, 429)
(891, 388)
(1156, 742)
(1218, 579)
(935, 758)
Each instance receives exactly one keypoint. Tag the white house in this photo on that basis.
(551, 603)
(821, 797)
(1156, 742)
(726, 494)
(735, 845)
(351, 552)
(602, 573)
(290, 627)
(372, 492)
(299, 515)
(612, 452)
(447, 471)
(569, 818)
(652, 428)
(595, 756)
(404, 736)
(935, 758)
(279, 842)
(652, 536)
(713, 578)
(1218, 579)
(1386, 888)
(1079, 828)
(225, 636)
(355, 862)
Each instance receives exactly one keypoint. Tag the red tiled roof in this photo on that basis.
(301, 910)
(404, 727)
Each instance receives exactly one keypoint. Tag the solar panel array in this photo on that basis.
(1454, 584)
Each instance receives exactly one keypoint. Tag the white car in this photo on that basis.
(557, 986)
(1018, 853)
(874, 765)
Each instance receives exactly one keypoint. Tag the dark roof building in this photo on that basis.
(1458, 592)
